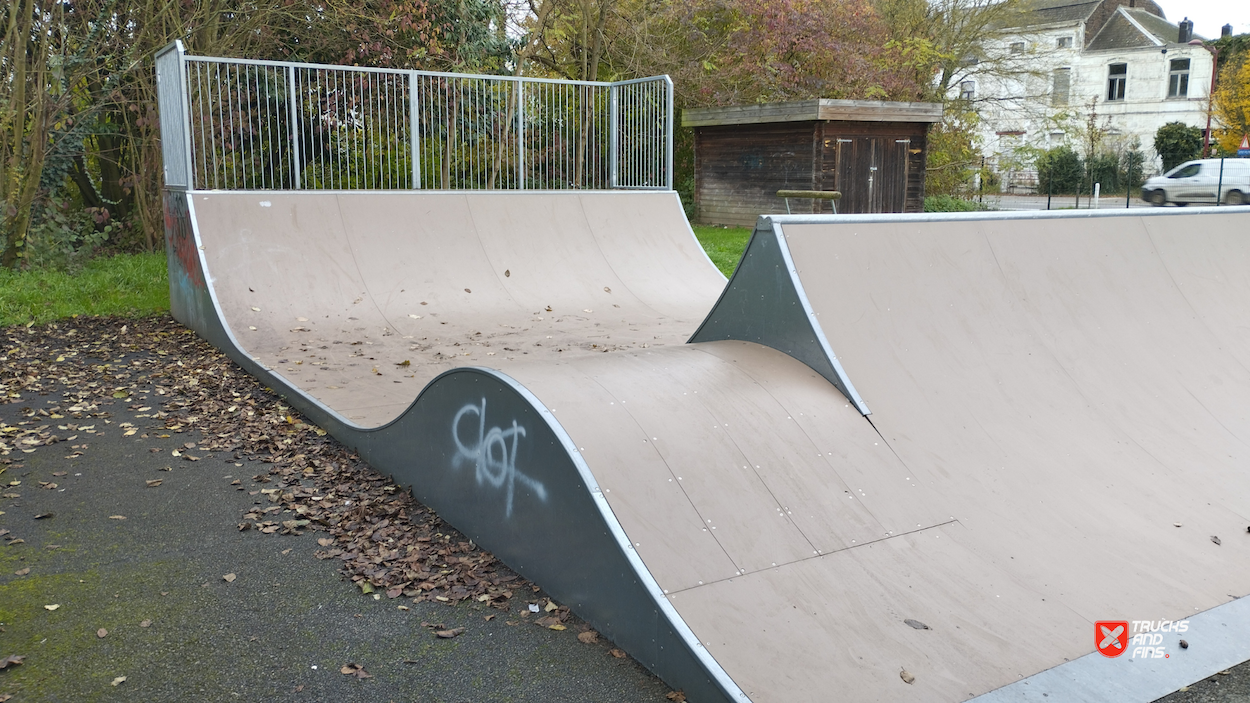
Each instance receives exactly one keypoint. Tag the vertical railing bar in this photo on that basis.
(520, 134)
(668, 132)
(294, 127)
(415, 126)
(184, 81)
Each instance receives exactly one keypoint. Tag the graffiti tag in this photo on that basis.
(493, 453)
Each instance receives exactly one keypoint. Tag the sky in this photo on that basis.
(1209, 15)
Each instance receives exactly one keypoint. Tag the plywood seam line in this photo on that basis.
(581, 207)
(477, 237)
(624, 544)
(830, 553)
(1218, 421)
(746, 372)
(364, 281)
(1181, 289)
(660, 456)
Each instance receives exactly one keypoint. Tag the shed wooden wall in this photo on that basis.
(740, 168)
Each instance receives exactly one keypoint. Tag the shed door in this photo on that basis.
(871, 173)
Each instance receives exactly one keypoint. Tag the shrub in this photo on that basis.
(1176, 143)
(1059, 170)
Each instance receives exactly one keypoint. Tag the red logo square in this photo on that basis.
(1111, 637)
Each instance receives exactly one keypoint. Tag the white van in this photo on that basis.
(1196, 182)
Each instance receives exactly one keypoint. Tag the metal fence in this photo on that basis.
(233, 124)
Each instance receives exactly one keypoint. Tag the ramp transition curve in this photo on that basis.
(1049, 396)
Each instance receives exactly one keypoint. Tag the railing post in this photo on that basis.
(414, 128)
(520, 134)
(614, 139)
(185, 90)
(296, 169)
(668, 132)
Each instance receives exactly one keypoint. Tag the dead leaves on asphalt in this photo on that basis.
(356, 670)
(301, 479)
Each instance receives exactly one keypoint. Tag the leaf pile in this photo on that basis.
(66, 375)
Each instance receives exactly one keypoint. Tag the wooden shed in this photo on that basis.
(873, 152)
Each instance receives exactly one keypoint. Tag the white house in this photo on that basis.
(1117, 65)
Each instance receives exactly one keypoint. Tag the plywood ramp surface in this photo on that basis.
(1069, 391)
(336, 291)
(1049, 398)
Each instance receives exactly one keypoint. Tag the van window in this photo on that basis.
(1186, 172)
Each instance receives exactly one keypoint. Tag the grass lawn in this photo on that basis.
(127, 284)
(723, 245)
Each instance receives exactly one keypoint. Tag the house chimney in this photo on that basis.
(1226, 31)
(1186, 31)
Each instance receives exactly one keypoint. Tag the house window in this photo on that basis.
(1062, 87)
(1178, 78)
(1063, 43)
(1017, 47)
(1117, 76)
(967, 90)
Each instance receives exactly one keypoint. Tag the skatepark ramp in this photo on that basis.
(899, 458)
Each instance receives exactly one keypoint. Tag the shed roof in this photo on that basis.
(813, 110)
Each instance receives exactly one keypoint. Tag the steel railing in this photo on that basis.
(234, 124)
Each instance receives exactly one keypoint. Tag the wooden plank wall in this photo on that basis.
(739, 168)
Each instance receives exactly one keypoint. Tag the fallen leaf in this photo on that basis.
(1215, 539)
(1226, 672)
(229, 578)
(906, 676)
(22, 572)
(325, 541)
(466, 290)
(405, 362)
(619, 654)
(677, 696)
(916, 624)
(101, 633)
(43, 516)
(1184, 644)
(118, 680)
(145, 623)
(12, 659)
(356, 670)
(154, 482)
(551, 605)
(54, 606)
(588, 637)
(448, 634)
